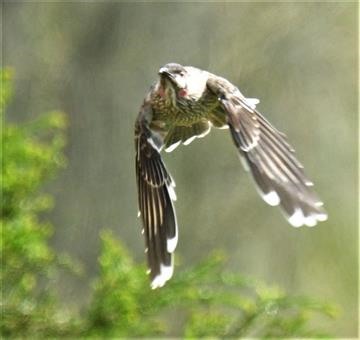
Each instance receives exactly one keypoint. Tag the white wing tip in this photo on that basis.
(166, 273)
(298, 219)
(271, 198)
(252, 102)
(172, 193)
(322, 217)
(310, 221)
(171, 244)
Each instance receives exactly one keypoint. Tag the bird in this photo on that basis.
(184, 104)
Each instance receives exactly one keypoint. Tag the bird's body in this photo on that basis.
(187, 113)
(183, 105)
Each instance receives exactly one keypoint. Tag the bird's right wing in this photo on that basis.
(155, 197)
(265, 151)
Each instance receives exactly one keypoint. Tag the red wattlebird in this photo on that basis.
(183, 105)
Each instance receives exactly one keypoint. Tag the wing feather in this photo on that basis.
(155, 197)
(279, 176)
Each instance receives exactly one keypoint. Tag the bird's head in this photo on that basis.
(173, 75)
(173, 80)
(182, 82)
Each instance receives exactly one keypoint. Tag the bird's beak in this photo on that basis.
(165, 72)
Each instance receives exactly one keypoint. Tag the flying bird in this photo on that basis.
(184, 104)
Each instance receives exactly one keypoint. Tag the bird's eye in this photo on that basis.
(182, 73)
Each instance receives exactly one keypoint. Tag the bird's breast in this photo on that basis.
(185, 111)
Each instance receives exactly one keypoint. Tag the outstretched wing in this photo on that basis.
(155, 197)
(265, 151)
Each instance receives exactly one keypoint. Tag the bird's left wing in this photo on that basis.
(266, 153)
(155, 197)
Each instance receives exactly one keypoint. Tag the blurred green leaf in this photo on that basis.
(32, 153)
(215, 303)
(5, 88)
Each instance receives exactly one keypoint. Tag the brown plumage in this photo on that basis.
(183, 105)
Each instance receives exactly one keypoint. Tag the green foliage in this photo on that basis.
(122, 303)
(213, 303)
(32, 153)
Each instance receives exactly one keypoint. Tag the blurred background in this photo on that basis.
(97, 61)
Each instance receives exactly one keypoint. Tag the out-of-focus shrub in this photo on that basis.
(212, 302)
(31, 154)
